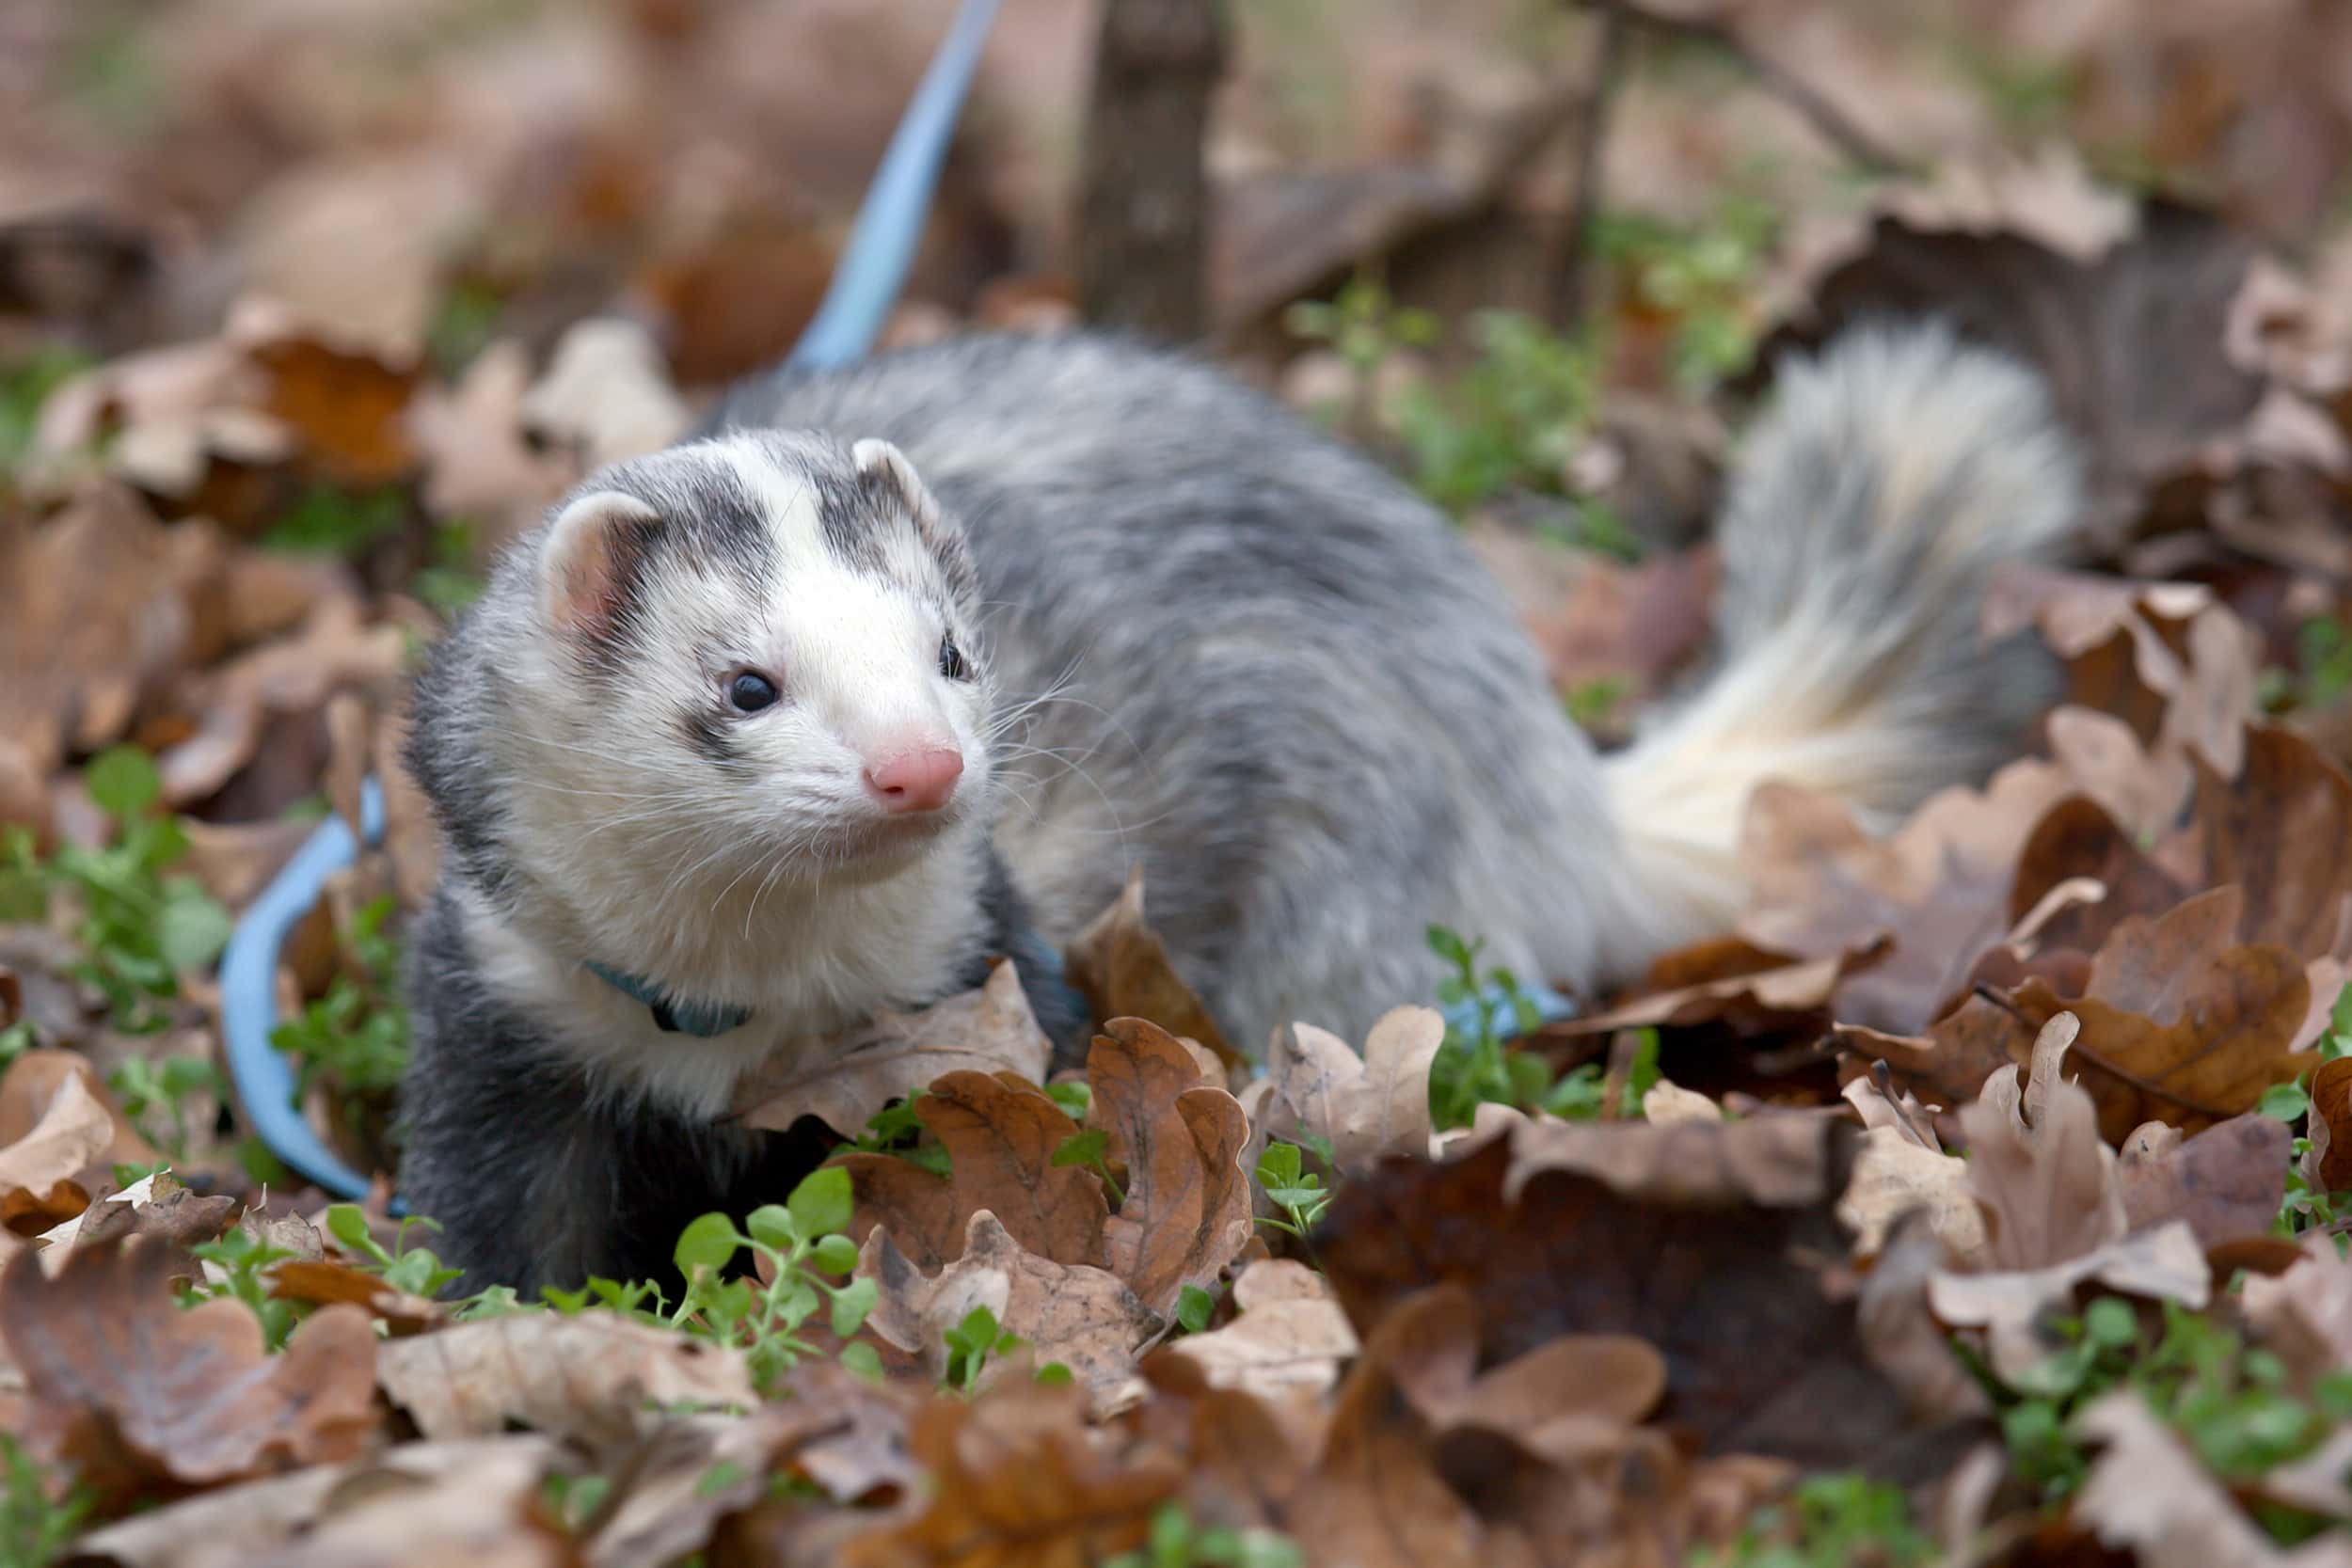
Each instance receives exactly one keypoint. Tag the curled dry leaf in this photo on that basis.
(153, 1206)
(2047, 1185)
(1936, 891)
(590, 1376)
(1366, 1105)
(1290, 1336)
(2014, 1308)
(606, 395)
(470, 438)
(844, 1081)
(1000, 1135)
(1894, 1175)
(1083, 1317)
(1665, 1105)
(1729, 981)
(673, 1487)
(318, 1282)
(73, 1129)
(1598, 1236)
(2149, 1494)
(1120, 966)
(232, 1527)
(2304, 1315)
(2226, 1181)
(131, 1388)
(2329, 1165)
(1187, 1209)
(1020, 1477)
(2181, 1021)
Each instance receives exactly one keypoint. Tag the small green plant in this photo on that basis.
(1364, 327)
(139, 927)
(356, 1037)
(572, 1500)
(2304, 1207)
(145, 1086)
(38, 1518)
(465, 323)
(1298, 1191)
(243, 1256)
(415, 1269)
(897, 1131)
(1176, 1541)
(24, 388)
(1830, 1521)
(2322, 675)
(1088, 1148)
(1477, 1067)
(448, 582)
(801, 1241)
(1194, 1307)
(1701, 280)
(970, 1344)
(2230, 1402)
(1594, 704)
(1513, 419)
(328, 521)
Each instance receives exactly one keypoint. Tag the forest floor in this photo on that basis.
(1976, 1201)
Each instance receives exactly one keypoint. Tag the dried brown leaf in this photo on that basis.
(2015, 1308)
(2226, 1181)
(1081, 1316)
(136, 1390)
(1020, 1478)
(2148, 1492)
(1187, 1209)
(1000, 1136)
(74, 1129)
(2047, 1185)
(1120, 966)
(847, 1080)
(1290, 1336)
(590, 1376)
(2305, 1314)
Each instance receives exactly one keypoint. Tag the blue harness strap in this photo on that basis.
(872, 268)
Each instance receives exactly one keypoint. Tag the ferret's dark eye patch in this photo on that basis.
(750, 692)
(951, 660)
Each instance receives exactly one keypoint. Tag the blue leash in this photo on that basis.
(865, 282)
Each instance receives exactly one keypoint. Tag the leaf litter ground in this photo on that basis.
(1978, 1195)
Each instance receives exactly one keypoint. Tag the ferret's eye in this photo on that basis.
(951, 660)
(750, 692)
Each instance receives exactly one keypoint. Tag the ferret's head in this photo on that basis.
(759, 649)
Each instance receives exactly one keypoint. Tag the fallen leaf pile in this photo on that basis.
(1983, 1195)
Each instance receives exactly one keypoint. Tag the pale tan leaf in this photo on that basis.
(590, 1376)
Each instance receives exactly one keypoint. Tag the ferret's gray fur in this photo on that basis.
(1214, 641)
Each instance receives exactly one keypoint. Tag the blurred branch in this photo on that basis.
(1825, 117)
(1572, 304)
(1143, 203)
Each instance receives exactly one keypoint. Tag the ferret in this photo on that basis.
(897, 668)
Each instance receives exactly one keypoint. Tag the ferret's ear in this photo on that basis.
(890, 480)
(886, 472)
(594, 550)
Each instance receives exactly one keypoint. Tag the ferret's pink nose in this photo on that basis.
(922, 778)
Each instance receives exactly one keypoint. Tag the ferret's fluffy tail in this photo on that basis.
(1864, 516)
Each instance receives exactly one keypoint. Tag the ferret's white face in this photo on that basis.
(763, 665)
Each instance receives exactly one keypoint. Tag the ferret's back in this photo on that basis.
(1278, 674)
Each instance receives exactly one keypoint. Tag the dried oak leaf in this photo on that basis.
(71, 1131)
(606, 395)
(2329, 1165)
(1019, 1477)
(860, 1455)
(590, 1376)
(1186, 1207)
(318, 1282)
(2015, 1308)
(2182, 1022)
(151, 1205)
(1290, 1334)
(1728, 981)
(2260, 830)
(1364, 1105)
(990, 1029)
(98, 606)
(231, 1527)
(2226, 1181)
(480, 1503)
(2039, 1170)
(136, 1390)
(1707, 1239)
(670, 1489)
(1083, 1317)
(1000, 1135)
(348, 406)
(2148, 1493)
(1120, 966)
(1936, 891)
(2305, 1313)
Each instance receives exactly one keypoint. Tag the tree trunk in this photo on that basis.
(1143, 204)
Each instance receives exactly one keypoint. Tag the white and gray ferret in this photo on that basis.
(901, 667)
